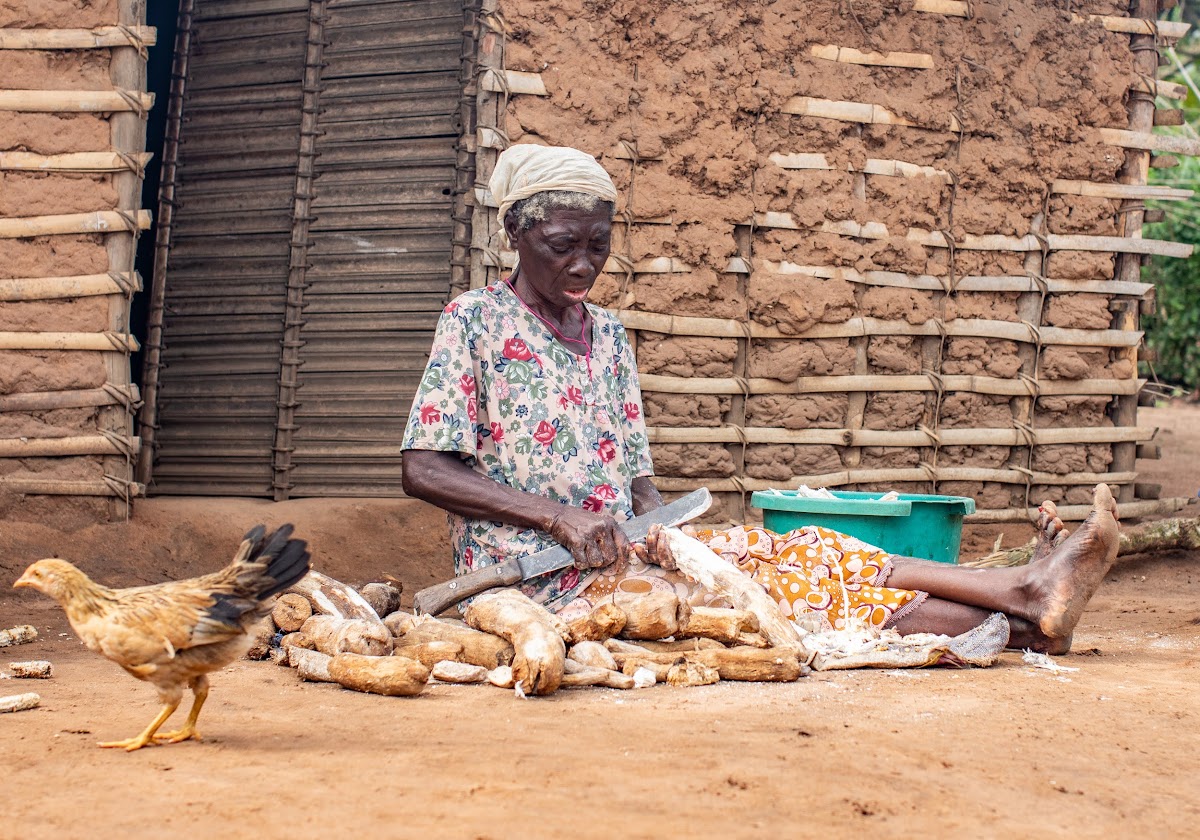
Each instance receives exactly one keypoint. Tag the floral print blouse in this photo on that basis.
(521, 409)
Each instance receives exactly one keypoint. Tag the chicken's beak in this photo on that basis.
(23, 581)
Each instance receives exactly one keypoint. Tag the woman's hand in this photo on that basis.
(594, 540)
(657, 550)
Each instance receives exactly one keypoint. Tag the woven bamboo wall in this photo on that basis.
(72, 131)
(853, 264)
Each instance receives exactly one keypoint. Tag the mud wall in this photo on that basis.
(71, 140)
(854, 275)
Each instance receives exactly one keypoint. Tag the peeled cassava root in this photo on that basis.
(332, 597)
(650, 613)
(310, 665)
(684, 672)
(17, 635)
(476, 648)
(400, 623)
(723, 625)
(539, 653)
(602, 623)
(592, 653)
(37, 669)
(291, 611)
(459, 672)
(262, 638)
(333, 635)
(431, 653)
(19, 702)
(700, 564)
(394, 676)
(736, 663)
(384, 598)
(578, 674)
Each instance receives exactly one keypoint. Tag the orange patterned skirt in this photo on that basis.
(831, 580)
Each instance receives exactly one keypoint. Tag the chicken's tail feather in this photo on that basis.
(286, 559)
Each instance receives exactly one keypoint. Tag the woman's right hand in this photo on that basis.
(595, 540)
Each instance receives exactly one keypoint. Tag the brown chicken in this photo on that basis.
(174, 634)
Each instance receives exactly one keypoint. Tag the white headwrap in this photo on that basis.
(525, 170)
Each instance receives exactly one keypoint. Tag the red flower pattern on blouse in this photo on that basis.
(606, 449)
(545, 433)
(603, 493)
(517, 350)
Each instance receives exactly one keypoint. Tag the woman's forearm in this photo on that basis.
(445, 480)
(645, 495)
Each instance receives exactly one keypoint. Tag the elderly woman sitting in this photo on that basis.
(528, 430)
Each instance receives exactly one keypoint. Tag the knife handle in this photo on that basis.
(434, 599)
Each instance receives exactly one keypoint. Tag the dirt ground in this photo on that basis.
(1004, 752)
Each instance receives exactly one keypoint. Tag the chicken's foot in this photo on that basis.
(188, 731)
(147, 736)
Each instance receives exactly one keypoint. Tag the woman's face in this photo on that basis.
(562, 256)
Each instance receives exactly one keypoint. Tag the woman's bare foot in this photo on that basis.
(1051, 531)
(1066, 578)
(1025, 635)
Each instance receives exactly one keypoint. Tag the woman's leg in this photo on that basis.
(1045, 597)
(951, 618)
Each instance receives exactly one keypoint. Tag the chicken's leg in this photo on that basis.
(199, 687)
(147, 736)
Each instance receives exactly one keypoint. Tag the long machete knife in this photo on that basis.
(434, 599)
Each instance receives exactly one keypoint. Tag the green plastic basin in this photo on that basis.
(914, 525)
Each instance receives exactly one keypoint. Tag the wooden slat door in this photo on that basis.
(368, 263)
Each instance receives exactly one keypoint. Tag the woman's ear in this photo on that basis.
(511, 228)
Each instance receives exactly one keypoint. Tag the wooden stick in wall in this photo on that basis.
(102, 342)
(970, 283)
(886, 383)
(66, 446)
(849, 55)
(66, 101)
(1113, 23)
(871, 114)
(984, 242)
(514, 81)
(856, 112)
(1135, 170)
(1099, 190)
(1150, 142)
(78, 39)
(72, 162)
(899, 168)
(874, 166)
(86, 398)
(892, 476)
(62, 487)
(104, 221)
(1076, 513)
(84, 285)
(855, 327)
(1165, 29)
(912, 438)
(1157, 87)
(952, 8)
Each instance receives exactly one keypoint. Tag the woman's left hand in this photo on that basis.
(657, 550)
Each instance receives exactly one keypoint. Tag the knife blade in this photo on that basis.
(434, 599)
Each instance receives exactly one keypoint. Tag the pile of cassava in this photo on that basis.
(330, 632)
